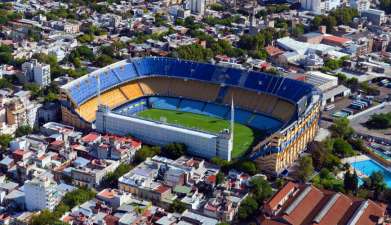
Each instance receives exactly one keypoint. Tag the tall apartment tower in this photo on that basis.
(36, 72)
(360, 5)
(197, 6)
(40, 194)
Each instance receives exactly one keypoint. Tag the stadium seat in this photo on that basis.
(155, 85)
(242, 98)
(125, 72)
(193, 90)
(191, 106)
(215, 110)
(131, 90)
(264, 123)
(163, 103)
(241, 116)
(88, 110)
(283, 110)
(132, 108)
(110, 98)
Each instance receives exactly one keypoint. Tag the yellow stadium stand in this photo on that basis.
(110, 98)
(194, 90)
(155, 85)
(131, 90)
(283, 110)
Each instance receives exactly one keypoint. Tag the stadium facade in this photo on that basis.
(160, 133)
(286, 109)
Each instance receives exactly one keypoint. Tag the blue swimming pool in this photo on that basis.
(367, 167)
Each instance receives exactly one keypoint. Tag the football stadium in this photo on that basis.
(214, 110)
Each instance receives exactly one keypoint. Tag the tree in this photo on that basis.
(318, 154)
(247, 208)
(23, 130)
(217, 7)
(260, 189)
(146, 152)
(174, 150)
(177, 206)
(376, 183)
(342, 148)
(379, 121)
(70, 200)
(193, 52)
(220, 177)
(77, 197)
(341, 128)
(111, 179)
(351, 182)
(305, 168)
(247, 167)
(104, 60)
(298, 30)
(5, 139)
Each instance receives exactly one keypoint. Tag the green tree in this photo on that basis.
(145, 152)
(341, 128)
(193, 52)
(247, 167)
(379, 121)
(260, 189)
(23, 130)
(220, 177)
(298, 30)
(111, 179)
(342, 148)
(5, 140)
(174, 150)
(351, 182)
(177, 206)
(77, 197)
(104, 60)
(305, 168)
(247, 208)
(318, 153)
(217, 7)
(375, 183)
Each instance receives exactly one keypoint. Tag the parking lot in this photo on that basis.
(357, 124)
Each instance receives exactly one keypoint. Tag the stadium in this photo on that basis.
(161, 100)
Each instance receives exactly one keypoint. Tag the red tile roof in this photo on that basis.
(273, 51)
(325, 206)
(336, 39)
(161, 189)
(90, 137)
(273, 202)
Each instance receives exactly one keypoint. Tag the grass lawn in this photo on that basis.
(243, 136)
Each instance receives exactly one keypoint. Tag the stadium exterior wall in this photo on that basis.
(290, 143)
(198, 143)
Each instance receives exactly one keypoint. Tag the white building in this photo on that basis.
(360, 5)
(319, 6)
(40, 194)
(197, 6)
(36, 72)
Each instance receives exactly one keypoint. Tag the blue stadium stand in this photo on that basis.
(191, 106)
(215, 110)
(163, 103)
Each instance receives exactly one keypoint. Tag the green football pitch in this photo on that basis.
(244, 136)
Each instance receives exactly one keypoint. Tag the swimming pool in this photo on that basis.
(367, 167)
